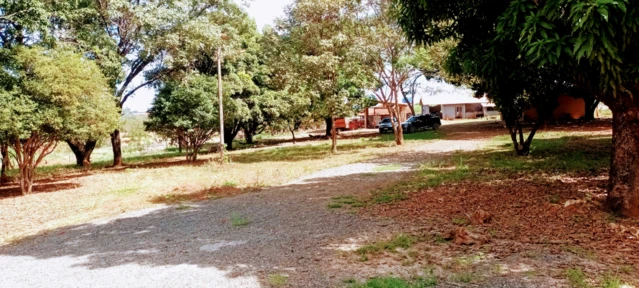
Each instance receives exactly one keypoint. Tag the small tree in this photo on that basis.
(324, 48)
(187, 113)
(390, 58)
(56, 95)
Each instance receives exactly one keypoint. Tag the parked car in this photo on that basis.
(385, 126)
(421, 122)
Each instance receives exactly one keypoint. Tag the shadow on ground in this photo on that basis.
(282, 230)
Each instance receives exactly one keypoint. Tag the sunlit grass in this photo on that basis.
(165, 178)
(400, 241)
(553, 152)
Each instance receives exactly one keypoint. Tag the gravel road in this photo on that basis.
(290, 231)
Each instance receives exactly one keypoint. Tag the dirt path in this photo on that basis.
(241, 241)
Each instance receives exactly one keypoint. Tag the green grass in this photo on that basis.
(334, 205)
(576, 278)
(419, 136)
(553, 152)
(611, 281)
(460, 221)
(464, 277)
(46, 171)
(430, 175)
(237, 220)
(400, 241)
(392, 282)
(307, 152)
(388, 168)
(277, 280)
(229, 183)
(341, 201)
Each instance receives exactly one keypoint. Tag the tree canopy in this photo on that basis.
(48, 96)
(523, 52)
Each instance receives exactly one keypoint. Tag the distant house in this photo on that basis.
(375, 114)
(458, 106)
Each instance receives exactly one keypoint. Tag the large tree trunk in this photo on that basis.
(116, 143)
(4, 150)
(329, 126)
(82, 152)
(624, 170)
(333, 136)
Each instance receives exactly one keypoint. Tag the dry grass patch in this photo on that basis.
(78, 196)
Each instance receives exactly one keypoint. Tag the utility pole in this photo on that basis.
(219, 92)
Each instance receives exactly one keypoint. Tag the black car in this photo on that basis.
(385, 126)
(421, 122)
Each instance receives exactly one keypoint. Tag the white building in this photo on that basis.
(458, 106)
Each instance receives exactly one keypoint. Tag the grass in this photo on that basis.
(576, 278)
(393, 282)
(166, 178)
(334, 205)
(611, 281)
(580, 252)
(425, 135)
(464, 277)
(341, 201)
(552, 153)
(229, 183)
(388, 168)
(469, 260)
(400, 241)
(277, 280)
(460, 221)
(238, 221)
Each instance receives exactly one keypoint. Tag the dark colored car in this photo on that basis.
(421, 122)
(385, 126)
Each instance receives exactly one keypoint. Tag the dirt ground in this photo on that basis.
(305, 233)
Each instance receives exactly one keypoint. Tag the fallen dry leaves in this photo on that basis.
(525, 215)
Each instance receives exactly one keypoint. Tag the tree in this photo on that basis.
(596, 42)
(390, 53)
(593, 42)
(294, 112)
(187, 113)
(130, 39)
(54, 95)
(491, 64)
(326, 54)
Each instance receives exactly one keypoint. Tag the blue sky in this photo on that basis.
(263, 11)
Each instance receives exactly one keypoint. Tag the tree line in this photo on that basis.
(68, 67)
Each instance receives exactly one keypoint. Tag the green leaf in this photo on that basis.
(604, 12)
(580, 41)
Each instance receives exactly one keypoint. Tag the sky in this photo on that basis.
(263, 11)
